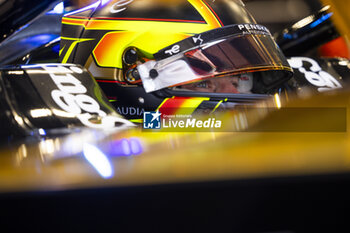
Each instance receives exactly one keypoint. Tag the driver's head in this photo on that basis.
(144, 52)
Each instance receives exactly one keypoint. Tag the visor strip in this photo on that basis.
(209, 36)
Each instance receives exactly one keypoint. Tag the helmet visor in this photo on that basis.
(243, 51)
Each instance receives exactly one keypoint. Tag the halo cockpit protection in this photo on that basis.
(147, 55)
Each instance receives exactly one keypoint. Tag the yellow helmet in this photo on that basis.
(147, 54)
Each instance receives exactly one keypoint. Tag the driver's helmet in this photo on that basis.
(150, 55)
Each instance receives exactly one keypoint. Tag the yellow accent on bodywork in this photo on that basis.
(216, 107)
(61, 50)
(136, 120)
(190, 105)
(76, 22)
(71, 47)
(164, 101)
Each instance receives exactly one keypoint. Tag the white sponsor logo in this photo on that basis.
(71, 97)
(255, 27)
(119, 6)
(175, 49)
(316, 76)
(196, 39)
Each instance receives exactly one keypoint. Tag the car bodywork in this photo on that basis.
(277, 180)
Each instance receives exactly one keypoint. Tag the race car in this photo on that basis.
(272, 170)
(94, 48)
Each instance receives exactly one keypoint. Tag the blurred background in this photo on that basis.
(277, 14)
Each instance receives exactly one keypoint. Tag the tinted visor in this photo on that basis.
(234, 55)
(242, 52)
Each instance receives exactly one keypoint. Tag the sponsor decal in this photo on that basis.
(119, 6)
(254, 28)
(73, 97)
(315, 75)
(197, 39)
(130, 111)
(174, 50)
